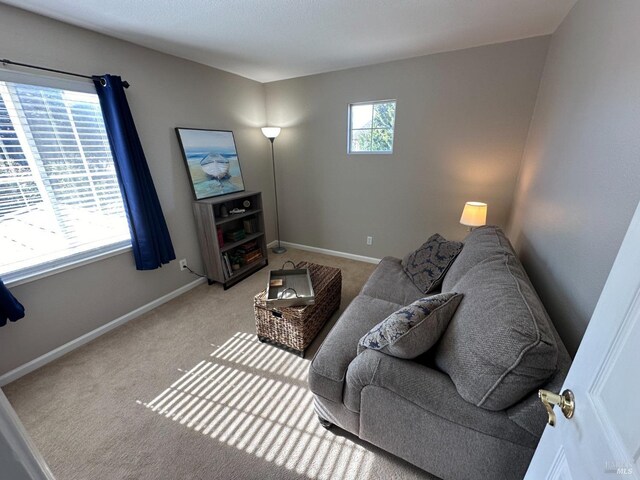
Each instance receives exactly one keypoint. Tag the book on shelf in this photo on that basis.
(226, 266)
(247, 247)
(252, 256)
(220, 237)
(249, 251)
(250, 225)
(234, 236)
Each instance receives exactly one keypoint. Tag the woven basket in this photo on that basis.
(294, 328)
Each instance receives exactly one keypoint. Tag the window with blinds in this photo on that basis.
(60, 200)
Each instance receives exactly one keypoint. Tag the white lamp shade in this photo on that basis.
(474, 214)
(271, 132)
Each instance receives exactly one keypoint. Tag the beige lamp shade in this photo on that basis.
(474, 214)
(271, 132)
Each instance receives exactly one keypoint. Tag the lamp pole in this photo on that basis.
(279, 248)
(271, 133)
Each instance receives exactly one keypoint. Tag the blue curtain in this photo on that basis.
(149, 233)
(10, 308)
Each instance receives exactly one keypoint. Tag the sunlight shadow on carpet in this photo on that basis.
(254, 397)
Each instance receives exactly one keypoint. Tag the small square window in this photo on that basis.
(371, 127)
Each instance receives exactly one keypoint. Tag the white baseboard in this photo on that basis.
(334, 253)
(87, 337)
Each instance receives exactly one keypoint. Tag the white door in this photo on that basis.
(19, 457)
(602, 440)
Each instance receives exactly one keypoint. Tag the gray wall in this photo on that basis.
(580, 179)
(461, 125)
(166, 92)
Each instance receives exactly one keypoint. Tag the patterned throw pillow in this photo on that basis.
(428, 264)
(414, 329)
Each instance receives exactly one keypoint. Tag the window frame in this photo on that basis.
(350, 129)
(61, 264)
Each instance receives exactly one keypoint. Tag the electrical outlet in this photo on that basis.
(369, 240)
(183, 264)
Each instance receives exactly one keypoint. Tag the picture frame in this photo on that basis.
(212, 162)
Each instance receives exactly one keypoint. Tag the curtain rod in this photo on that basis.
(5, 61)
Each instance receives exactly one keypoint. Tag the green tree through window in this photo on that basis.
(371, 127)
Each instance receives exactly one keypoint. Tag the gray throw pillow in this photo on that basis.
(428, 264)
(414, 329)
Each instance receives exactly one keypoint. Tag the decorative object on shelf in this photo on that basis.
(237, 210)
(223, 211)
(474, 214)
(271, 133)
(212, 161)
(246, 204)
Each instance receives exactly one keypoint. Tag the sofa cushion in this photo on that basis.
(414, 329)
(429, 390)
(499, 345)
(329, 365)
(480, 244)
(389, 282)
(427, 266)
(444, 448)
(529, 413)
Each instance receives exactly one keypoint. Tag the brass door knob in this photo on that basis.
(565, 400)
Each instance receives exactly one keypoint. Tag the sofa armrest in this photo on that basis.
(429, 390)
(361, 372)
(330, 363)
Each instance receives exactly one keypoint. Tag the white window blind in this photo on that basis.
(59, 196)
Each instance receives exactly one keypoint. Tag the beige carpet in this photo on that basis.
(187, 392)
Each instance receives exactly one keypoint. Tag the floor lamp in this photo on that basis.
(271, 133)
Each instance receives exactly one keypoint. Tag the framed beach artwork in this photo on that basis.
(212, 161)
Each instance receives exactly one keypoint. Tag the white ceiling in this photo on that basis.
(270, 40)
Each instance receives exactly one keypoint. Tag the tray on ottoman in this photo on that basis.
(294, 328)
(290, 287)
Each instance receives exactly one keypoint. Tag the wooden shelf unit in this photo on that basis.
(209, 219)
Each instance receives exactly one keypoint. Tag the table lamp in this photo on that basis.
(474, 214)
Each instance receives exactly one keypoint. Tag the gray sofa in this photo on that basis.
(468, 408)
